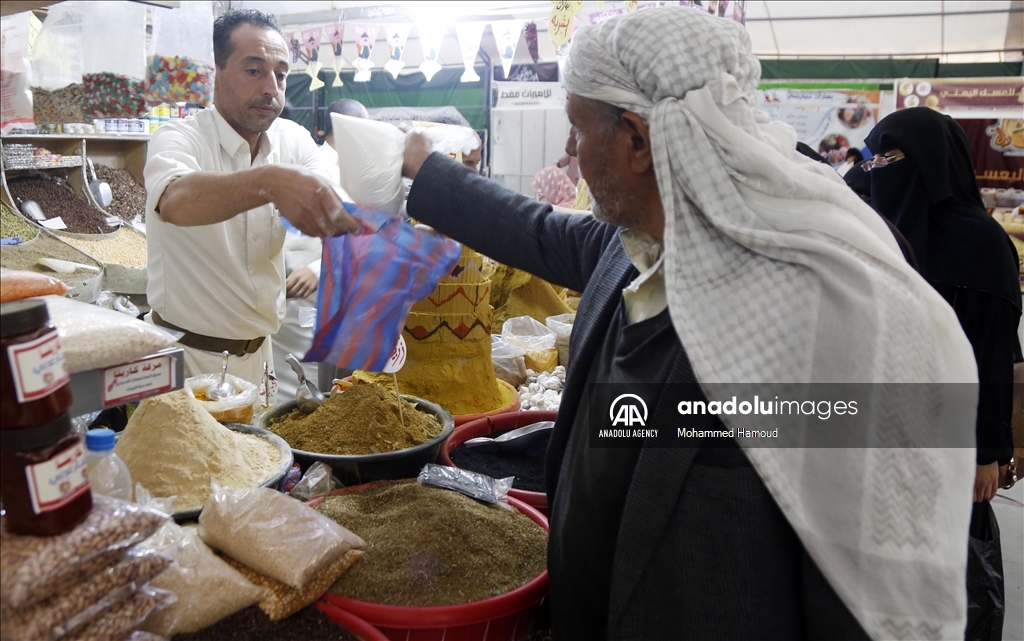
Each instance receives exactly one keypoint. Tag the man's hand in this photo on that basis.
(301, 283)
(986, 482)
(309, 202)
(417, 148)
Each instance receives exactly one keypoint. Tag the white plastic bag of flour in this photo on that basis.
(370, 158)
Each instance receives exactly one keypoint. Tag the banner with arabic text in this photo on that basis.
(997, 151)
(961, 94)
(830, 120)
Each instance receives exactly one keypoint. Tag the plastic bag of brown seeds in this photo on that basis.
(122, 618)
(33, 568)
(77, 604)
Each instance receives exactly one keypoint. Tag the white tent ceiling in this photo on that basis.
(963, 31)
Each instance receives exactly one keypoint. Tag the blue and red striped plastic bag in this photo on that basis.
(368, 284)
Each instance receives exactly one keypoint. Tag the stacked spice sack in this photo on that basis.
(448, 341)
(91, 582)
(276, 552)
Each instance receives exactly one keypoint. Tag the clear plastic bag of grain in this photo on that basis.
(208, 589)
(280, 601)
(33, 568)
(273, 534)
(121, 619)
(93, 337)
(77, 603)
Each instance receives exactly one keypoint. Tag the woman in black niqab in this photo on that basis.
(932, 197)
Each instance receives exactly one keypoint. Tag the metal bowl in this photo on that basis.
(363, 468)
(272, 482)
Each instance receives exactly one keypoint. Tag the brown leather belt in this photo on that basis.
(212, 343)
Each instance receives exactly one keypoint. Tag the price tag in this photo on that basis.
(397, 359)
(54, 223)
(113, 220)
(132, 381)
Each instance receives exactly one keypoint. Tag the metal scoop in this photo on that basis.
(223, 389)
(32, 209)
(516, 441)
(307, 396)
(100, 190)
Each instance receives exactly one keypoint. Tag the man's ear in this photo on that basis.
(641, 159)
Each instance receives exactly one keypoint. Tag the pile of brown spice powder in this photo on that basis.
(361, 420)
(429, 547)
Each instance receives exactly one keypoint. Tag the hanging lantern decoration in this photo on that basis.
(506, 36)
(431, 37)
(469, 41)
(396, 35)
(366, 35)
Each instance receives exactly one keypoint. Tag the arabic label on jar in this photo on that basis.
(38, 367)
(54, 483)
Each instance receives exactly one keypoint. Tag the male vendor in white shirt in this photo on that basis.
(217, 184)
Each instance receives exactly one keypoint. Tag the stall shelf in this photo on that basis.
(99, 389)
(126, 151)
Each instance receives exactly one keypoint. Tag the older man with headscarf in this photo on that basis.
(720, 260)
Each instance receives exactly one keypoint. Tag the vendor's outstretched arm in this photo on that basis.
(304, 198)
(511, 228)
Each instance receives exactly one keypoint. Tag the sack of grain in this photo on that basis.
(273, 534)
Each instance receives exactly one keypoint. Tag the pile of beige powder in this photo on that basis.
(173, 447)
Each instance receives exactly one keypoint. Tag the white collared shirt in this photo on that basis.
(644, 297)
(225, 279)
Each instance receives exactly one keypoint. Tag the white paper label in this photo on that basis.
(55, 483)
(113, 220)
(397, 358)
(38, 367)
(123, 383)
(54, 223)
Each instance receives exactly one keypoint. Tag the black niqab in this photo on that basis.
(933, 199)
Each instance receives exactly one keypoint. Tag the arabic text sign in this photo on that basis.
(529, 95)
(960, 94)
(997, 151)
(132, 381)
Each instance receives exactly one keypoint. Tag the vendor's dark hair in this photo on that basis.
(225, 25)
(345, 107)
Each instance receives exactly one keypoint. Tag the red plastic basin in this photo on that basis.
(506, 617)
(487, 426)
(361, 629)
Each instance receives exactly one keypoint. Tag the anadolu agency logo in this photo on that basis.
(628, 410)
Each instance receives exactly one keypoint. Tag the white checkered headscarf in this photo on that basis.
(777, 273)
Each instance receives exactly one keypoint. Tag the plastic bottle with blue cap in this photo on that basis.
(108, 474)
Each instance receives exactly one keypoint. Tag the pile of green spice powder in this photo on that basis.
(431, 547)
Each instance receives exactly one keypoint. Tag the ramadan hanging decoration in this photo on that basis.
(311, 47)
(469, 40)
(506, 36)
(336, 36)
(396, 35)
(366, 35)
(431, 37)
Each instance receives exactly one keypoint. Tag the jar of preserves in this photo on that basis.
(33, 375)
(43, 483)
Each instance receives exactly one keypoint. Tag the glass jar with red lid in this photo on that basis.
(34, 378)
(42, 478)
